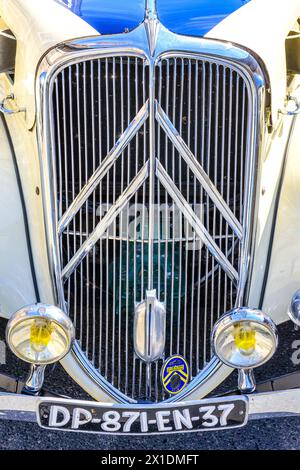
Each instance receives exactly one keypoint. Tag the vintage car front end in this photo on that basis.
(149, 201)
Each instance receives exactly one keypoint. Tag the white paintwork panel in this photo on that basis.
(284, 272)
(262, 26)
(271, 167)
(25, 146)
(16, 286)
(27, 157)
(38, 25)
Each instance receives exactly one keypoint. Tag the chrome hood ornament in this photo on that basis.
(150, 328)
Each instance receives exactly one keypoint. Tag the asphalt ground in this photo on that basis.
(275, 434)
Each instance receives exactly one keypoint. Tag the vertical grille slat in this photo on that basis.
(93, 103)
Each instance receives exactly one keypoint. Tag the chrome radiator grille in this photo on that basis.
(150, 185)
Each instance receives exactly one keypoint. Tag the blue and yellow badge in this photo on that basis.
(175, 374)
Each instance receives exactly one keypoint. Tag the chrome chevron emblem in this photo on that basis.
(152, 113)
(152, 169)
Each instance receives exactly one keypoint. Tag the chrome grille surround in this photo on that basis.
(136, 45)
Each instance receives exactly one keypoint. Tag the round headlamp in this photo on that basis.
(244, 338)
(40, 334)
(294, 310)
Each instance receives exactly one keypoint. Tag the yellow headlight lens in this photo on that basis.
(244, 338)
(40, 335)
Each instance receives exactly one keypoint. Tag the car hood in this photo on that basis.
(189, 17)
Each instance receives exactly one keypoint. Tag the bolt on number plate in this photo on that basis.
(203, 415)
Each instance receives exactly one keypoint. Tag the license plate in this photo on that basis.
(203, 415)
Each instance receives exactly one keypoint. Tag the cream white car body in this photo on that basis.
(261, 26)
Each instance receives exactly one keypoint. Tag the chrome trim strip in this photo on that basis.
(151, 9)
(151, 177)
(197, 169)
(152, 24)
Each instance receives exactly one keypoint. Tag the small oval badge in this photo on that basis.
(175, 374)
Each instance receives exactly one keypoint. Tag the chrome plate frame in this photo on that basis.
(194, 416)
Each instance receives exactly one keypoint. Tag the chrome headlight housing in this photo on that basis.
(294, 310)
(40, 334)
(244, 338)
